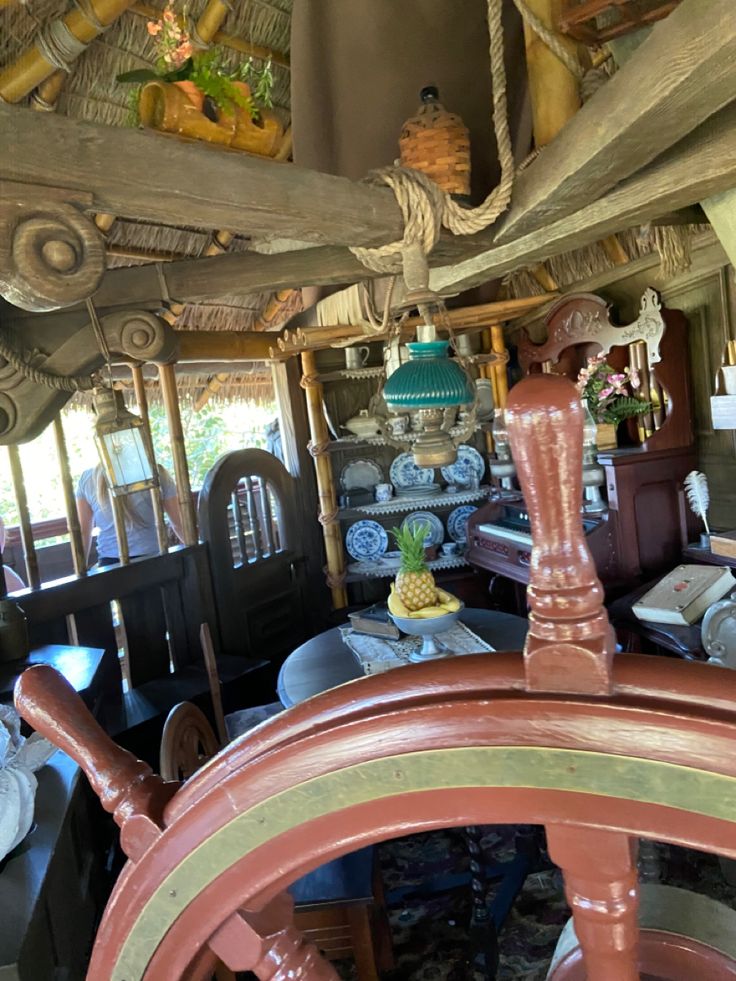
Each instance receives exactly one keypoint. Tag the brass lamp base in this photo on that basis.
(434, 446)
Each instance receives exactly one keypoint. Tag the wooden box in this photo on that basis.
(596, 21)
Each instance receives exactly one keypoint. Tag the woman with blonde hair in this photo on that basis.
(12, 579)
(94, 508)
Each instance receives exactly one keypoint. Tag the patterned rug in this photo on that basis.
(430, 934)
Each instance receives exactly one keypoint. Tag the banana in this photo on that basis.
(428, 612)
(448, 601)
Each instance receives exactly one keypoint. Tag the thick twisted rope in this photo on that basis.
(425, 207)
(18, 359)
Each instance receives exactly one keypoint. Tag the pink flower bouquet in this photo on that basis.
(610, 394)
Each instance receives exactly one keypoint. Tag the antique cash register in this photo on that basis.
(634, 517)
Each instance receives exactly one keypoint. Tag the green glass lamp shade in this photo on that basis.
(430, 379)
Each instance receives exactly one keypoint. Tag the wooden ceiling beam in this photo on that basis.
(703, 163)
(678, 77)
(142, 175)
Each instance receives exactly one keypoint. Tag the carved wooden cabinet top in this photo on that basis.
(583, 318)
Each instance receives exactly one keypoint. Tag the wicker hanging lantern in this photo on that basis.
(437, 142)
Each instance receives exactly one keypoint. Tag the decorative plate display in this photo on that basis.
(469, 466)
(366, 540)
(405, 473)
(436, 532)
(457, 523)
(360, 473)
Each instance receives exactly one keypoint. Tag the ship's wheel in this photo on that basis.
(601, 754)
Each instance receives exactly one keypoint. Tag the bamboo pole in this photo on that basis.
(325, 483)
(121, 532)
(47, 94)
(488, 371)
(553, 89)
(614, 250)
(79, 559)
(24, 517)
(498, 345)
(31, 68)
(213, 386)
(224, 345)
(544, 277)
(162, 536)
(167, 380)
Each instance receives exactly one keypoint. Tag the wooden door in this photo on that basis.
(248, 517)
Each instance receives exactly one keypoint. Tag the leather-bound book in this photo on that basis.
(374, 620)
(684, 594)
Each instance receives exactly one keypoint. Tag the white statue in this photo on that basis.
(19, 759)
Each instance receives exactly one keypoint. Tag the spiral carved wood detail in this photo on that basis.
(26, 407)
(570, 642)
(51, 255)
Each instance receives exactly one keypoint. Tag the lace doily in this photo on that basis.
(378, 654)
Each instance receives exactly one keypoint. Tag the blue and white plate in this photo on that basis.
(366, 540)
(405, 473)
(468, 468)
(435, 530)
(457, 523)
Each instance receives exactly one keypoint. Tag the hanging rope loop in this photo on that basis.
(425, 207)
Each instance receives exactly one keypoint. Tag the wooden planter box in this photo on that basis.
(596, 21)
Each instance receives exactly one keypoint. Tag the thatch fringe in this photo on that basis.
(671, 241)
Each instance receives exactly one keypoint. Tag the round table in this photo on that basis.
(325, 661)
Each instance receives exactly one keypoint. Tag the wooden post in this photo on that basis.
(167, 379)
(553, 88)
(325, 485)
(162, 536)
(24, 517)
(72, 518)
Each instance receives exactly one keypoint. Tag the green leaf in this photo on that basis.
(137, 76)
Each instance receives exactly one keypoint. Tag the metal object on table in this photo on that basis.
(718, 632)
(427, 630)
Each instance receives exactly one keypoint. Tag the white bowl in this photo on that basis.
(426, 629)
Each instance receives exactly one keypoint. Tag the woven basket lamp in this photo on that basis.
(437, 142)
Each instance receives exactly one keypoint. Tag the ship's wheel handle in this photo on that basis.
(127, 787)
(570, 643)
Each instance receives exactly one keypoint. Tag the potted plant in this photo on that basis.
(610, 397)
(210, 86)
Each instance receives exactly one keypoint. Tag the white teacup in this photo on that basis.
(449, 548)
(384, 492)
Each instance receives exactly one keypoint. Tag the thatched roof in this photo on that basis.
(91, 93)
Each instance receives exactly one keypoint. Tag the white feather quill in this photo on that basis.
(696, 488)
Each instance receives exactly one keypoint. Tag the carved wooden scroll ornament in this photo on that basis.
(27, 407)
(51, 254)
(583, 318)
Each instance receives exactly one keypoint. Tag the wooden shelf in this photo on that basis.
(398, 505)
(437, 565)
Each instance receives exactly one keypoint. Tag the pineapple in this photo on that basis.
(415, 583)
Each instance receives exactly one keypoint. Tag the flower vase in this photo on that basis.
(606, 436)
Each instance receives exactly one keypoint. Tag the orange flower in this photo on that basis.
(184, 50)
(169, 15)
(154, 27)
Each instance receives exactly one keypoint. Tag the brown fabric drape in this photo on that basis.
(357, 67)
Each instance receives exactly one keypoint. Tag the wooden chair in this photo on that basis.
(600, 753)
(340, 906)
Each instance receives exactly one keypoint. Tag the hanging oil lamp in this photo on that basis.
(430, 381)
(125, 452)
